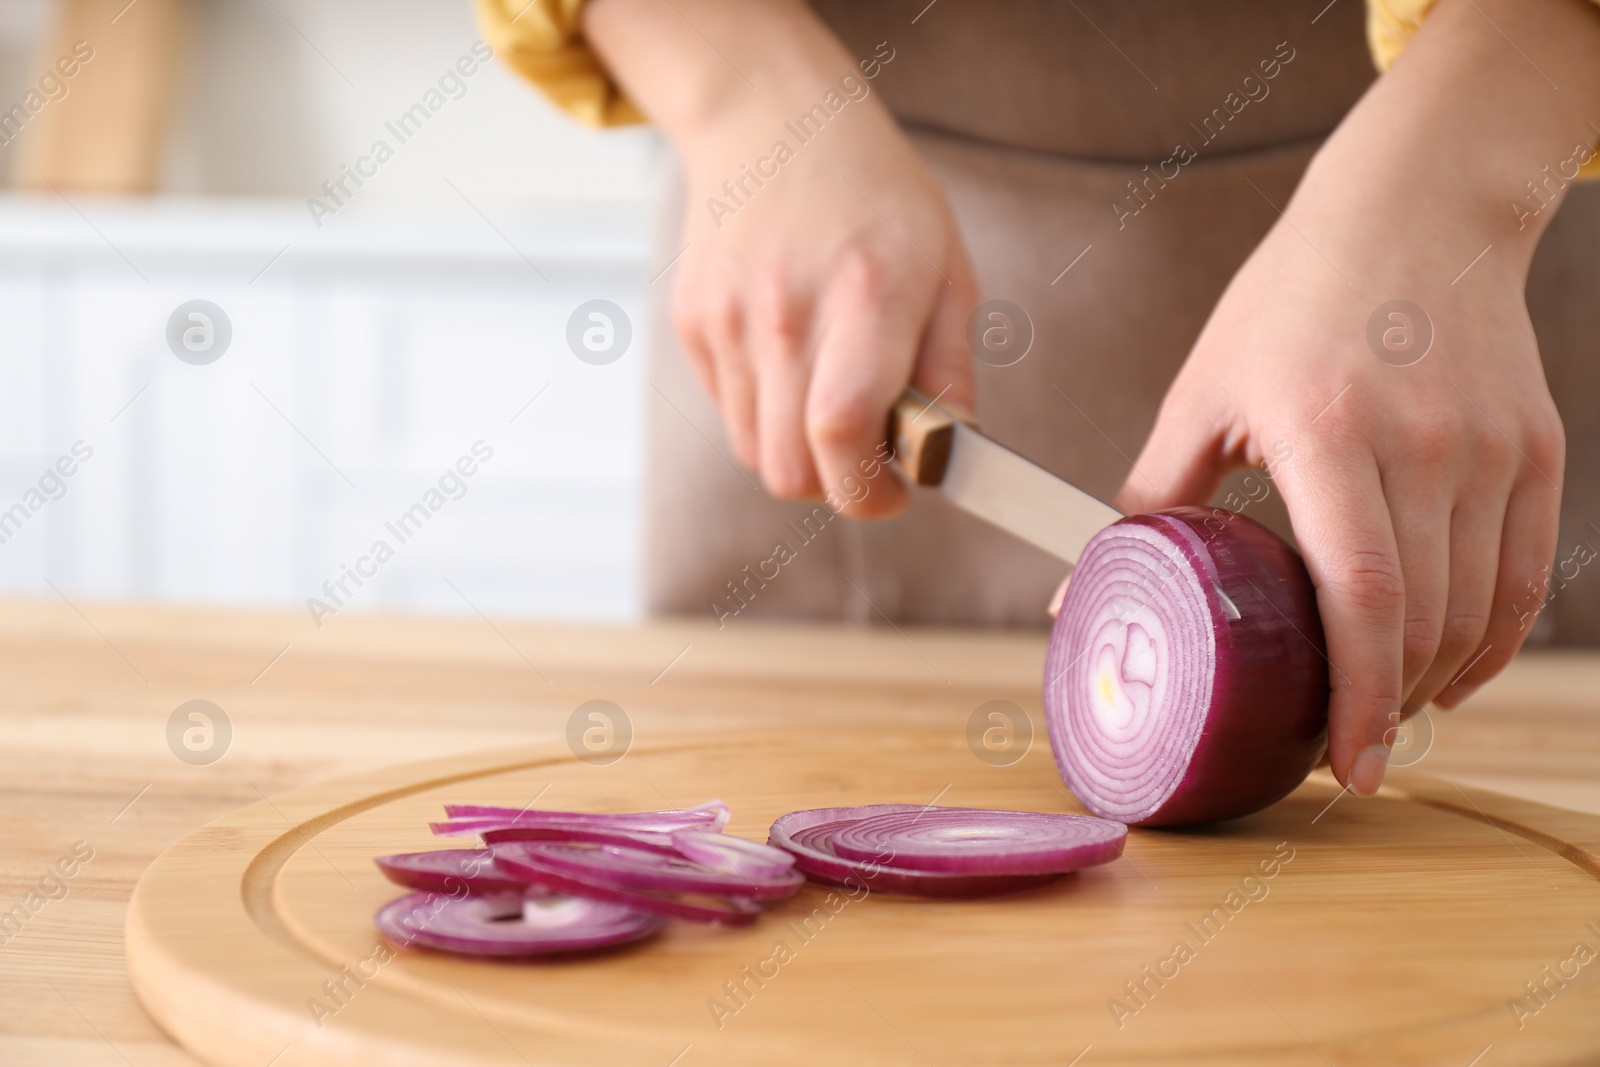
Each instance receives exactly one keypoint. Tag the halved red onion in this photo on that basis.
(448, 870)
(981, 841)
(713, 815)
(1186, 679)
(626, 866)
(504, 924)
(522, 859)
(809, 836)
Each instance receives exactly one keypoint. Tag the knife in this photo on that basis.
(935, 447)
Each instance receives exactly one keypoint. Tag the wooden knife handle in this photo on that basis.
(921, 433)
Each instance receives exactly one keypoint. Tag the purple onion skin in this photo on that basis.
(1267, 727)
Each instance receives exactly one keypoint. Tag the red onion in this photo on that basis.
(713, 815)
(629, 866)
(504, 924)
(723, 851)
(1187, 677)
(449, 870)
(521, 858)
(809, 836)
(748, 860)
(981, 841)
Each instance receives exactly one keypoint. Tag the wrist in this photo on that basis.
(704, 68)
(1465, 139)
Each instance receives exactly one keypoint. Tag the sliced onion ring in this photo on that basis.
(808, 834)
(625, 866)
(448, 870)
(518, 858)
(744, 859)
(981, 841)
(738, 854)
(1186, 679)
(495, 924)
(473, 818)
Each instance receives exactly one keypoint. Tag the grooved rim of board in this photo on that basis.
(224, 954)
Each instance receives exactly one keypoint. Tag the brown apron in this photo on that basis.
(1036, 115)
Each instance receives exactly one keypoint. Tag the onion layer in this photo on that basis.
(504, 924)
(1186, 679)
(627, 866)
(712, 816)
(520, 859)
(449, 870)
(809, 836)
(981, 841)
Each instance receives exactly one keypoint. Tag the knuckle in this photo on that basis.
(839, 422)
(1463, 629)
(1369, 579)
(1435, 439)
(865, 272)
(776, 311)
(1547, 442)
(1423, 634)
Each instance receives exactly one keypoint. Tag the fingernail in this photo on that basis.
(1366, 774)
(1059, 597)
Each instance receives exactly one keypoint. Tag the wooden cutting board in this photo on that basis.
(1327, 930)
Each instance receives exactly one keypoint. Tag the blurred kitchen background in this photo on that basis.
(367, 355)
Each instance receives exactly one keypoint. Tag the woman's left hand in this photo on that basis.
(1422, 475)
(1376, 352)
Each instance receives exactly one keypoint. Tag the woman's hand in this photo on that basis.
(1423, 478)
(1424, 496)
(823, 271)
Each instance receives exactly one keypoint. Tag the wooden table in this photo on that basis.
(88, 692)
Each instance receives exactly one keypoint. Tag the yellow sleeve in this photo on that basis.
(1390, 27)
(541, 40)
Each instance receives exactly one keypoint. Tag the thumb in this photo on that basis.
(944, 362)
(1181, 463)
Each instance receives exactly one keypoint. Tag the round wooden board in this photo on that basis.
(1395, 930)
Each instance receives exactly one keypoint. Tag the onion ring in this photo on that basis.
(981, 841)
(503, 924)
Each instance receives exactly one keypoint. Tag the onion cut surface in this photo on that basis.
(1186, 679)
(627, 866)
(520, 859)
(505, 924)
(981, 841)
(810, 835)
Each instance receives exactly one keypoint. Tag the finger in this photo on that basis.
(1059, 597)
(1419, 507)
(944, 362)
(1527, 545)
(687, 323)
(864, 359)
(736, 386)
(777, 336)
(1475, 528)
(1182, 462)
(1342, 523)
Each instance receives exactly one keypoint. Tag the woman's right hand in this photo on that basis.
(808, 302)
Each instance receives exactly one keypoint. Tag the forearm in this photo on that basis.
(1487, 95)
(687, 63)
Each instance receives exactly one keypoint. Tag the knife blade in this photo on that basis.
(934, 447)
